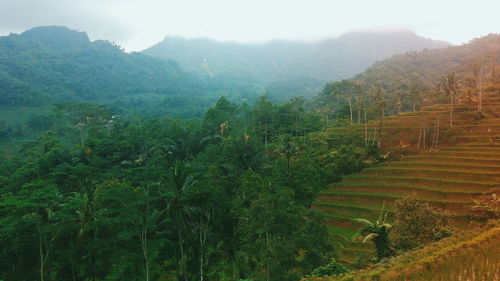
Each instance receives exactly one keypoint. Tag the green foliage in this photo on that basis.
(105, 198)
(378, 232)
(331, 269)
(414, 76)
(417, 223)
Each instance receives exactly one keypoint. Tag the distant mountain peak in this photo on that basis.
(57, 37)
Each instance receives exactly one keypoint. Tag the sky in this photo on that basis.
(139, 24)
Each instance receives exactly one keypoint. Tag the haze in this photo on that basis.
(136, 25)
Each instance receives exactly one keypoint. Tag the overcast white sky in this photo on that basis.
(138, 24)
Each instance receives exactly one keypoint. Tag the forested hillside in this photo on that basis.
(284, 69)
(53, 64)
(49, 65)
(416, 79)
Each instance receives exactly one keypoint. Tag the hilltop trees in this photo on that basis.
(345, 90)
(414, 75)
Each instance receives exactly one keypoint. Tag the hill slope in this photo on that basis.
(53, 64)
(473, 255)
(415, 75)
(47, 64)
(461, 165)
(285, 69)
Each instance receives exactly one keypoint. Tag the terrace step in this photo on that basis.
(353, 210)
(455, 173)
(437, 182)
(334, 203)
(394, 189)
(447, 166)
(469, 153)
(470, 160)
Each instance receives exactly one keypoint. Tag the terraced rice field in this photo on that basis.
(460, 168)
(470, 255)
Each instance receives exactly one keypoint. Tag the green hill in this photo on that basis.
(285, 69)
(53, 64)
(415, 75)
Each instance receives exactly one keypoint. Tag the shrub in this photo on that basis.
(417, 223)
(331, 269)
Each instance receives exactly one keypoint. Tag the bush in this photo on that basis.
(331, 269)
(417, 223)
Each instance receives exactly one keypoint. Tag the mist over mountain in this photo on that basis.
(284, 69)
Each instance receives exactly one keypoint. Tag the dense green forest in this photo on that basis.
(286, 69)
(225, 197)
(52, 64)
(49, 65)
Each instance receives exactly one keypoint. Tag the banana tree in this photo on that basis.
(378, 232)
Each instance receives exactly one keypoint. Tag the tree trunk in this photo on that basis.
(425, 129)
(40, 250)
(380, 126)
(203, 229)
(366, 124)
(201, 250)
(265, 137)
(288, 164)
(398, 102)
(451, 110)
(268, 266)
(350, 108)
(82, 138)
(419, 137)
(480, 88)
(437, 132)
(145, 250)
(181, 248)
(72, 260)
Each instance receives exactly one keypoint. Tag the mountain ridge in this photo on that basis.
(284, 64)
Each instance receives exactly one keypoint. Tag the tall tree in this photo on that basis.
(450, 85)
(179, 181)
(380, 102)
(477, 69)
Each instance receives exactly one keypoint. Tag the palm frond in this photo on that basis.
(364, 222)
(370, 237)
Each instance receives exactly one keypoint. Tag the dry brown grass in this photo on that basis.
(471, 256)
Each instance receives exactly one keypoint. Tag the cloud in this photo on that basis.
(91, 16)
(138, 24)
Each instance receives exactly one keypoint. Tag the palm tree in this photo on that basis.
(377, 232)
(247, 153)
(287, 147)
(379, 100)
(178, 182)
(449, 85)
